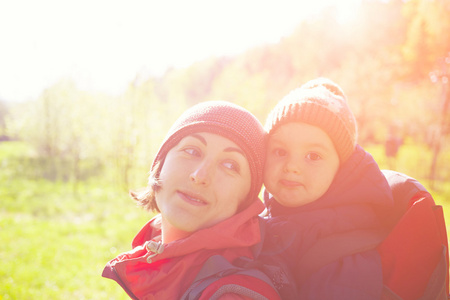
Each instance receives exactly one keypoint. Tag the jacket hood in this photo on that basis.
(236, 231)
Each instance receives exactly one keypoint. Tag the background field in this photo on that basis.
(55, 243)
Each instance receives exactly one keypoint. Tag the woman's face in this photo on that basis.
(204, 179)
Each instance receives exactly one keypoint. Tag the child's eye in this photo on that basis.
(280, 152)
(313, 156)
(232, 165)
(192, 151)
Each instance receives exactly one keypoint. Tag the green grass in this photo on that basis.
(57, 245)
(54, 243)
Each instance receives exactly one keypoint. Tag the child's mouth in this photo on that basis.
(290, 183)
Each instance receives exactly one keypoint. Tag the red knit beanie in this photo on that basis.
(322, 103)
(228, 120)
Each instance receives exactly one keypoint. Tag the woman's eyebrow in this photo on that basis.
(200, 138)
(228, 149)
(234, 149)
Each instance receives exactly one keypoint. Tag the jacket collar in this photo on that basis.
(240, 230)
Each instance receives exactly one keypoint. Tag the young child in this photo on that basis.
(322, 188)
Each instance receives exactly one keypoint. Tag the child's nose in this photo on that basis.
(292, 166)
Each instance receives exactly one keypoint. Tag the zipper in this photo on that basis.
(151, 246)
(155, 247)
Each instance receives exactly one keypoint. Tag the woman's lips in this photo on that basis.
(192, 198)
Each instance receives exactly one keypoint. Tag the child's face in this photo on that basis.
(204, 179)
(301, 164)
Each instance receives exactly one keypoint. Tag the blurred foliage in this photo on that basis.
(392, 61)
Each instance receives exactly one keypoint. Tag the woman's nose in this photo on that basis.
(202, 174)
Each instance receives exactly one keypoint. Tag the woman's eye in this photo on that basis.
(280, 152)
(232, 165)
(192, 151)
(313, 156)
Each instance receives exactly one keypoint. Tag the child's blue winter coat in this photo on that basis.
(355, 203)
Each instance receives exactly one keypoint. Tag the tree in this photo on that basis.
(427, 37)
(441, 77)
(3, 115)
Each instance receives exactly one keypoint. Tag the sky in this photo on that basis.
(102, 45)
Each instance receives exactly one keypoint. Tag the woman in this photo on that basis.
(204, 182)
